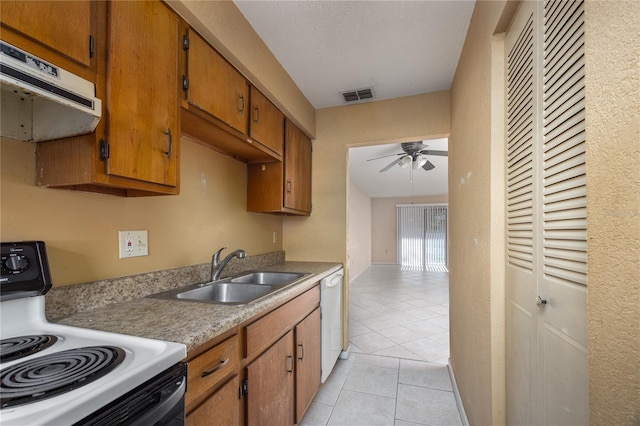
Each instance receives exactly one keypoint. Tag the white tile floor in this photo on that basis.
(396, 374)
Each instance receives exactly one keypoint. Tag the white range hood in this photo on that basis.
(40, 101)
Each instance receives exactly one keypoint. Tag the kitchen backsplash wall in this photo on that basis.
(81, 229)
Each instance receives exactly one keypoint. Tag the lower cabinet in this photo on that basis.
(308, 362)
(270, 395)
(267, 373)
(220, 409)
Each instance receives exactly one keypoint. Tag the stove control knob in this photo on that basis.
(17, 263)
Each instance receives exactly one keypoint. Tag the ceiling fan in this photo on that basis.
(414, 153)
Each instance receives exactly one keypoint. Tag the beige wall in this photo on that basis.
(384, 228)
(323, 234)
(476, 199)
(81, 229)
(359, 243)
(612, 42)
(475, 190)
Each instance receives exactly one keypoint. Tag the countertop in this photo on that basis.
(193, 323)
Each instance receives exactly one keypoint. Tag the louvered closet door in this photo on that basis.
(522, 210)
(547, 371)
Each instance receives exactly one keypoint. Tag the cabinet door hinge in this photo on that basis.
(104, 150)
(185, 82)
(92, 46)
(185, 42)
(244, 388)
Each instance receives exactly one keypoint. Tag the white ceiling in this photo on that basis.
(397, 181)
(397, 48)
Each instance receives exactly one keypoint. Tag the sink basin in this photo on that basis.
(267, 278)
(226, 292)
(238, 290)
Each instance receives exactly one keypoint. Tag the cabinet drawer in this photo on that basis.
(263, 332)
(206, 370)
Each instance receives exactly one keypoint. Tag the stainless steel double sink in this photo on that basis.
(238, 290)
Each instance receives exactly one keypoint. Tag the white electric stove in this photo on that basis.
(52, 374)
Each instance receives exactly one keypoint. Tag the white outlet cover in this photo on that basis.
(133, 244)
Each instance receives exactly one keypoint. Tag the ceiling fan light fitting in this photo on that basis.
(405, 162)
(419, 161)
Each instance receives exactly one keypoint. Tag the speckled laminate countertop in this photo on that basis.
(188, 322)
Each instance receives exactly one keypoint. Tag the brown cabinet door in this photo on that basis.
(297, 169)
(270, 395)
(142, 91)
(220, 409)
(64, 27)
(308, 362)
(267, 122)
(215, 87)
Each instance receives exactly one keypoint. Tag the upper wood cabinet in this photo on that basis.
(135, 148)
(142, 94)
(283, 187)
(62, 33)
(266, 122)
(215, 87)
(297, 170)
(218, 106)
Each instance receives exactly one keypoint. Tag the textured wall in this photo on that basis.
(359, 243)
(81, 229)
(612, 41)
(476, 234)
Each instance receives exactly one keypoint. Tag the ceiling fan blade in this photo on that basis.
(393, 163)
(433, 152)
(385, 156)
(428, 166)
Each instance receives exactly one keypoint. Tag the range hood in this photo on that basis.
(40, 101)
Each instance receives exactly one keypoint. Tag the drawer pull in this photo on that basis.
(216, 368)
(290, 358)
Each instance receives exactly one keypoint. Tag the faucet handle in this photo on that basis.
(216, 256)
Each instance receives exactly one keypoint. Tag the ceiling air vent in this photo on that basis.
(357, 95)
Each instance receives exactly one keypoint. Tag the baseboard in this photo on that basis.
(344, 354)
(456, 394)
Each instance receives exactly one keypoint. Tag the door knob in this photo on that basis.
(540, 301)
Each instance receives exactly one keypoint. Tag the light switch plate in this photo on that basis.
(133, 244)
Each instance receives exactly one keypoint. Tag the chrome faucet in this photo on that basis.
(217, 266)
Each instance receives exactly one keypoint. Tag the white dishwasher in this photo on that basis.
(331, 307)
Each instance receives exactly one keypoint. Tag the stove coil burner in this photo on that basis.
(21, 346)
(53, 374)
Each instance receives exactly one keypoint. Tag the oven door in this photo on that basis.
(159, 401)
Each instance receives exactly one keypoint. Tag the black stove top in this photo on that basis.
(49, 375)
(21, 346)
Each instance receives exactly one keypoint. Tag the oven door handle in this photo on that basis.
(163, 407)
